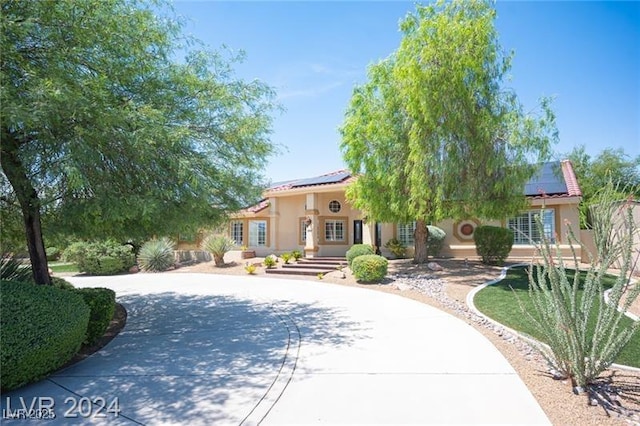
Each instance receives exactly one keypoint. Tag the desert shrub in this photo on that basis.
(396, 247)
(435, 240)
(493, 244)
(218, 245)
(100, 258)
(53, 253)
(156, 255)
(250, 268)
(42, 328)
(297, 254)
(286, 257)
(102, 305)
(270, 261)
(358, 250)
(74, 252)
(12, 269)
(369, 268)
(564, 319)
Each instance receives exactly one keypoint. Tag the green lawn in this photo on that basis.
(499, 302)
(63, 267)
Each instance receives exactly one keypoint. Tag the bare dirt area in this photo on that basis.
(459, 278)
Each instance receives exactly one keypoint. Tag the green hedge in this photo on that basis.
(42, 328)
(358, 250)
(493, 244)
(369, 268)
(102, 305)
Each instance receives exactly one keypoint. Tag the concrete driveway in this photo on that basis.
(204, 349)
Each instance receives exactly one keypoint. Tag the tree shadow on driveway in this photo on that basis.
(196, 359)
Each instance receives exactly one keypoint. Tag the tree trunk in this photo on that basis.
(29, 204)
(420, 242)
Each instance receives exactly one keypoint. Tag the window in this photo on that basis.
(525, 229)
(334, 230)
(334, 206)
(303, 230)
(257, 233)
(237, 232)
(405, 233)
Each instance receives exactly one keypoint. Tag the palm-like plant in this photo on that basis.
(218, 245)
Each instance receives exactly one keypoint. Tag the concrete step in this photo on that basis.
(298, 271)
(323, 260)
(309, 265)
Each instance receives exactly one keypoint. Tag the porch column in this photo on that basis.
(313, 232)
(274, 223)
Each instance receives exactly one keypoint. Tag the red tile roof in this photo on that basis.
(573, 189)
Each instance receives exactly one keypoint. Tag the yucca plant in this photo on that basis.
(11, 269)
(583, 333)
(156, 255)
(218, 245)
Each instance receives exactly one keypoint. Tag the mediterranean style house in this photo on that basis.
(313, 216)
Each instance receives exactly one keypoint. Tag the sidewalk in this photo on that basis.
(203, 349)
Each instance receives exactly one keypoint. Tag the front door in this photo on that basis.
(378, 236)
(357, 232)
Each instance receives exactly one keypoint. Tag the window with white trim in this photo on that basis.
(303, 230)
(257, 233)
(237, 232)
(405, 233)
(334, 230)
(526, 231)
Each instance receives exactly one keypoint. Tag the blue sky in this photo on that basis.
(585, 54)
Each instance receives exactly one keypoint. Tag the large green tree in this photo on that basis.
(594, 173)
(433, 134)
(107, 131)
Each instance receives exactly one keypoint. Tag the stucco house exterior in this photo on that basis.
(313, 216)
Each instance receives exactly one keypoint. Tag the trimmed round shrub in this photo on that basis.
(358, 250)
(369, 268)
(493, 244)
(102, 305)
(42, 328)
(435, 240)
(156, 255)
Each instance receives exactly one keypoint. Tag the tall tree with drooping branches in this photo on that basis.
(434, 133)
(107, 132)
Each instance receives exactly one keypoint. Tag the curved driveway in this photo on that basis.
(204, 349)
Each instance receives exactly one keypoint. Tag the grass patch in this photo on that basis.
(64, 267)
(499, 302)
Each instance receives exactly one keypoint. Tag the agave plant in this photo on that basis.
(218, 245)
(156, 255)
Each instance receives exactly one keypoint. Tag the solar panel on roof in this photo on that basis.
(548, 179)
(322, 180)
